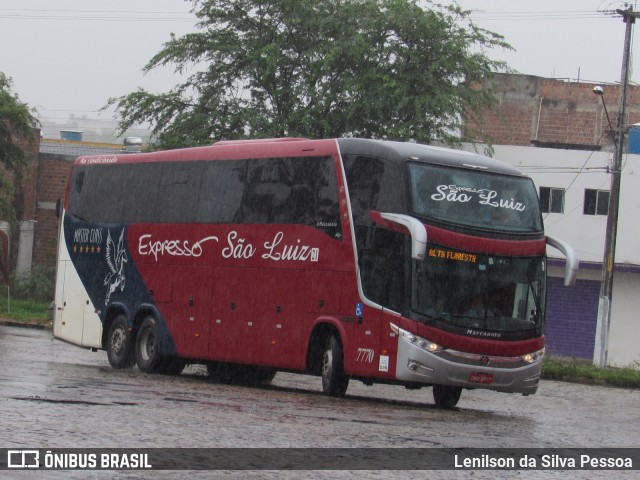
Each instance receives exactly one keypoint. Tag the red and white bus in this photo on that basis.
(377, 261)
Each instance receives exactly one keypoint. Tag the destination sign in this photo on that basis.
(453, 255)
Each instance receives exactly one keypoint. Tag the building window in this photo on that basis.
(596, 202)
(551, 200)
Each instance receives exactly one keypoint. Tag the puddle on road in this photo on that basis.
(71, 401)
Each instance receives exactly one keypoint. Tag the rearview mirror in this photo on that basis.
(404, 223)
(572, 264)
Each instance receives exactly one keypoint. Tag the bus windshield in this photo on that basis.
(485, 293)
(477, 199)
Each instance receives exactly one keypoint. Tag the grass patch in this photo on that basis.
(22, 310)
(573, 370)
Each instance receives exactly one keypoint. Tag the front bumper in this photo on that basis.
(417, 364)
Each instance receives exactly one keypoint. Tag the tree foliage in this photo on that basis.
(318, 68)
(17, 124)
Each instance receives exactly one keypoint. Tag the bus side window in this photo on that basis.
(364, 178)
(382, 269)
(314, 195)
(137, 189)
(79, 181)
(267, 191)
(221, 191)
(179, 185)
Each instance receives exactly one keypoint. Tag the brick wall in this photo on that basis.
(549, 111)
(51, 185)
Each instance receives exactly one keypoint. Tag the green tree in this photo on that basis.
(318, 68)
(17, 124)
(17, 131)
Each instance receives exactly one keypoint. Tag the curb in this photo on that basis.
(34, 326)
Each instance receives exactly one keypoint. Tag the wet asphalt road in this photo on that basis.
(54, 395)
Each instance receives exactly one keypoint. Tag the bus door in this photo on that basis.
(69, 307)
(189, 318)
(280, 317)
(76, 319)
(237, 293)
(383, 282)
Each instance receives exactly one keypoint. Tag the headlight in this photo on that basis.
(420, 342)
(533, 357)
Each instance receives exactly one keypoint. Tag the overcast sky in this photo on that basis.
(70, 56)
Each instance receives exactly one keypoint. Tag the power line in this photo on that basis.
(124, 15)
(550, 15)
(101, 19)
(75, 10)
(95, 15)
(547, 169)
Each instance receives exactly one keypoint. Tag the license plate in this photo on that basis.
(481, 377)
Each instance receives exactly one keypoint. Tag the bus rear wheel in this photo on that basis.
(119, 344)
(334, 380)
(147, 355)
(446, 396)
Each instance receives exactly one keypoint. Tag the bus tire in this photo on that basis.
(120, 351)
(446, 396)
(334, 380)
(147, 355)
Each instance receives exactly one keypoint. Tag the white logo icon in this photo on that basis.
(23, 459)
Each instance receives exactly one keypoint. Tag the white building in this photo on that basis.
(573, 186)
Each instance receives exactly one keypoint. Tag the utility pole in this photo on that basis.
(601, 345)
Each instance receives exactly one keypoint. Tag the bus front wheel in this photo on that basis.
(119, 348)
(334, 380)
(446, 396)
(147, 356)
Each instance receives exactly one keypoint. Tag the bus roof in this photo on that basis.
(402, 152)
(224, 150)
(398, 152)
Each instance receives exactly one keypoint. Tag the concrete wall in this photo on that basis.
(624, 333)
(575, 171)
(571, 318)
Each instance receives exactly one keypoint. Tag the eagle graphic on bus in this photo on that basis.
(116, 258)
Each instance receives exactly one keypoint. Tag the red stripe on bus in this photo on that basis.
(486, 245)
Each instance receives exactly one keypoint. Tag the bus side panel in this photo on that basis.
(388, 346)
(157, 278)
(92, 327)
(189, 319)
(75, 317)
(264, 317)
(96, 270)
(362, 351)
(251, 320)
(305, 295)
(69, 313)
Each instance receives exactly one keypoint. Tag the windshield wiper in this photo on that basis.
(435, 315)
(536, 298)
